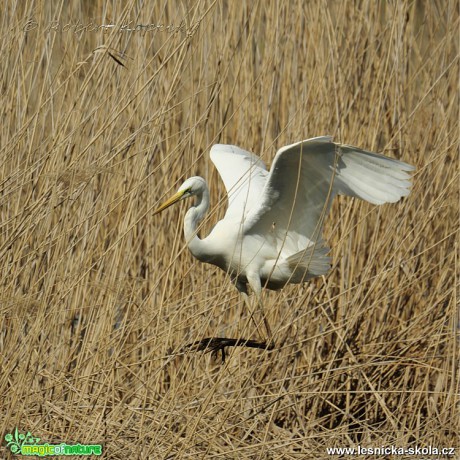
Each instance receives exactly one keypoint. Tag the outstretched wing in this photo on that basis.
(305, 177)
(244, 175)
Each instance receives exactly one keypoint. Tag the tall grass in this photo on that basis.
(98, 297)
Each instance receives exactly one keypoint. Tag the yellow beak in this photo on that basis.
(174, 199)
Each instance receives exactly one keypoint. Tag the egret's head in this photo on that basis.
(191, 187)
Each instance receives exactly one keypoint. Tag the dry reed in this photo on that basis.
(98, 297)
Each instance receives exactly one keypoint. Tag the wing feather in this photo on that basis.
(305, 177)
(244, 175)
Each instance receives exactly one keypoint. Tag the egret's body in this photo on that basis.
(271, 234)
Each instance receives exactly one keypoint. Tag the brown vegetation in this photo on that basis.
(98, 297)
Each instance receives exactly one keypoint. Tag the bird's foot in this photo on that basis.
(215, 344)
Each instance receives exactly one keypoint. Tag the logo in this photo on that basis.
(26, 444)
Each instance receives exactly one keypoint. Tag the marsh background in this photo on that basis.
(98, 297)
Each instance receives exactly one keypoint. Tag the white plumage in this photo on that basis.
(271, 234)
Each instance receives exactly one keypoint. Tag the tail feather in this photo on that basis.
(309, 263)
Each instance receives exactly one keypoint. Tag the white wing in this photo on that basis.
(244, 175)
(305, 177)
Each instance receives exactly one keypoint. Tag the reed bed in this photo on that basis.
(107, 107)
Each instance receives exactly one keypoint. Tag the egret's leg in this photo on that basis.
(254, 282)
(242, 289)
(259, 309)
(250, 308)
(266, 324)
(216, 344)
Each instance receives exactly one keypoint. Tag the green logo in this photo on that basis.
(26, 444)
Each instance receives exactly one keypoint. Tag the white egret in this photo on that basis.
(271, 233)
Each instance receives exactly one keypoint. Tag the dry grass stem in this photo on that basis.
(98, 298)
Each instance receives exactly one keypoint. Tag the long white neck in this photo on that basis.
(193, 217)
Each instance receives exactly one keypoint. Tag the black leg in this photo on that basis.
(216, 344)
